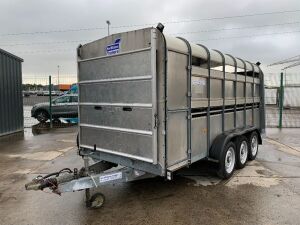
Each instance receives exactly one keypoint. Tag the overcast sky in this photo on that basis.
(40, 59)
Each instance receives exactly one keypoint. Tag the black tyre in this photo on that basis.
(241, 151)
(96, 201)
(42, 116)
(56, 120)
(227, 161)
(253, 146)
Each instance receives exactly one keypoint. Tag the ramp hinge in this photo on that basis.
(189, 117)
(189, 94)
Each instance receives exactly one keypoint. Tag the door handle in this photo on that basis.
(98, 107)
(127, 108)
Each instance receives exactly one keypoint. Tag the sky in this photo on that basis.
(46, 33)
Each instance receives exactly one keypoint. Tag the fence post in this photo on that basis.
(50, 101)
(281, 97)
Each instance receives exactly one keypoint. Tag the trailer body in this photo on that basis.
(156, 103)
(150, 104)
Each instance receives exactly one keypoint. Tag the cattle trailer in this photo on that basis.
(150, 104)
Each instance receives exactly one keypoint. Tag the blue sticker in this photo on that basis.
(114, 48)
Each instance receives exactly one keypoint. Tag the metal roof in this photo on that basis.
(11, 55)
(294, 60)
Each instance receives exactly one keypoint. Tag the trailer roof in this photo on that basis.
(177, 44)
(198, 50)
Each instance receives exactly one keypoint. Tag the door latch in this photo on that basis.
(155, 121)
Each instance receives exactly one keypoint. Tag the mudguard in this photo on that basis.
(222, 139)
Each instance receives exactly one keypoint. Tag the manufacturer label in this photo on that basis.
(199, 82)
(110, 177)
(113, 48)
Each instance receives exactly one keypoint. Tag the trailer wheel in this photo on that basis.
(227, 161)
(96, 201)
(241, 152)
(253, 145)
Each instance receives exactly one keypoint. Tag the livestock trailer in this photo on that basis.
(150, 104)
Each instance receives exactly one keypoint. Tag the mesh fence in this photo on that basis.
(291, 99)
(36, 90)
(36, 93)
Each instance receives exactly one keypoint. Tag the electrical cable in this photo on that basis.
(210, 39)
(180, 33)
(151, 24)
(237, 28)
(46, 43)
(249, 36)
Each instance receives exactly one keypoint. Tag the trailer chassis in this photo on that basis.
(90, 176)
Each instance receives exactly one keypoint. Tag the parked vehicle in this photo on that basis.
(26, 94)
(154, 104)
(39, 93)
(65, 106)
(33, 92)
(73, 89)
(47, 93)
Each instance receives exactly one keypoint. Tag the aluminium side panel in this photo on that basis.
(177, 81)
(256, 117)
(199, 138)
(215, 126)
(249, 119)
(229, 121)
(199, 88)
(177, 107)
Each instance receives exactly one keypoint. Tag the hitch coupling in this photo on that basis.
(53, 180)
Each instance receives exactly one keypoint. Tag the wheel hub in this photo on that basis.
(229, 160)
(96, 201)
(243, 152)
(254, 145)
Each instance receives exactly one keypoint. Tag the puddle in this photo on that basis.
(42, 156)
(65, 149)
(284, 148)
(204, 181)
(264, 172)
(254, 174)
(25, 171)
(67, 141)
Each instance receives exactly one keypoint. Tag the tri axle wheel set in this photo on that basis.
(236, 153)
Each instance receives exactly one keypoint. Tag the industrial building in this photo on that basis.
(11, 99)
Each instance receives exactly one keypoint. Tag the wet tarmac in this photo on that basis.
(266, 191)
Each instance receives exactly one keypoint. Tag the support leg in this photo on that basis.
(87, 191)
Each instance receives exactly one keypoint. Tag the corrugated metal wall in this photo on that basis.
(11, 97)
